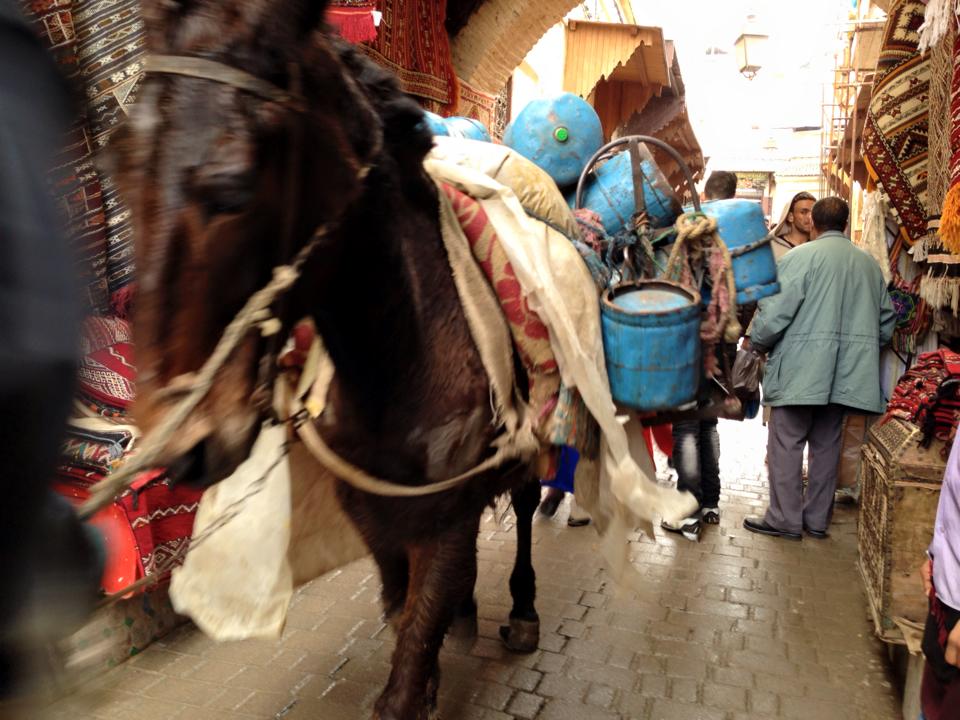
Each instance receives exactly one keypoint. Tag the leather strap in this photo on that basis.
(204, 69)
(639, 201)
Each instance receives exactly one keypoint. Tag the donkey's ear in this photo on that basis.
(312, 13)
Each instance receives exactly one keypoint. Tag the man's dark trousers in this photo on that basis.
(696, 455)
(791, 428)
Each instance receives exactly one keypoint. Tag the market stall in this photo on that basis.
(909, 226)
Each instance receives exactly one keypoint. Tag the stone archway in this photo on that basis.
(498, 35)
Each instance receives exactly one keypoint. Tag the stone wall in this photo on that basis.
(499, 35)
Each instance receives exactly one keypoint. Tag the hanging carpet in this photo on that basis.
(412, 42)
(100, 46)
(895, 134)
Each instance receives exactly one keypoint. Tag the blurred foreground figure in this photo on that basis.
(49, 562)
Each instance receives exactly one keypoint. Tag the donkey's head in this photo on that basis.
(227, 174)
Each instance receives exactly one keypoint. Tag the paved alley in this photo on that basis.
(738, 626)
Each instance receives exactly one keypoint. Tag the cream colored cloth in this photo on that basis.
(274, 531)
(873, 239)
(238, 582)
(559, 289)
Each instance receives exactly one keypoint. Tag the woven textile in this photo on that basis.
(95, 450)
(412, 41)
(106, 374)
(476, 104)
(99, 44)
(913, 314)
(529, 333)
(938, 161)
(950, 216)
(353, 21)
(926, 395)
(895, 134)
(161, 517)
(562, 417)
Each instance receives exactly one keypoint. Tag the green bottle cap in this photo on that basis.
(561, 134)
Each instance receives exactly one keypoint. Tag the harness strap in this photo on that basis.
(516, 447)
(520, 444)
(204, 69)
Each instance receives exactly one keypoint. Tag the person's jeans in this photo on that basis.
(696, 456)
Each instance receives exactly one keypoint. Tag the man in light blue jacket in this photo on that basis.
(823, 332)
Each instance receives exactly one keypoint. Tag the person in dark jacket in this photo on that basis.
(49, 560)
(696, 443)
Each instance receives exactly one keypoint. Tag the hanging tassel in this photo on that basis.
(354, 24)
(936, 21)
(950, 221)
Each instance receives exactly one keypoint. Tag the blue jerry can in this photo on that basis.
(435, 124)
(742, 227)
(609, 192)
(464, 127)
(651, 340)
(558, 134)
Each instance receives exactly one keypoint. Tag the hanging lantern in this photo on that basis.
(751, 47)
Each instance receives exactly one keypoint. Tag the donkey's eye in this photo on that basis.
(224, 181)
(225, 194)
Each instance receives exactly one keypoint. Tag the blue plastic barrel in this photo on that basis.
(609, 192)
(651, 339)
(435, 124)
(741, 226)
(558, 134)
(464, 127)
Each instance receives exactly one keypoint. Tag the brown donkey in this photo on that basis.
(253, 128)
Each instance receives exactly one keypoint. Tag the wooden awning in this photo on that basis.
(617, 68)
(665, 118)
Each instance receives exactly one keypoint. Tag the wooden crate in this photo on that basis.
(900, 488)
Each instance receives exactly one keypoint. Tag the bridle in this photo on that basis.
(293, 101)
(257, 311)
(190, 389)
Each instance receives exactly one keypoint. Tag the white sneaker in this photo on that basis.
(711, 516)
(689, 527)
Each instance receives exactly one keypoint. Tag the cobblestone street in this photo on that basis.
(737, 626)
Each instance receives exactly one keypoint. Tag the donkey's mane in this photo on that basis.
(405, 135)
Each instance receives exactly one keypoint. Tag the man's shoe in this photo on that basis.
(758, 525)
(689, 527)
(578, 517)
(711, 516)
(551, 502)
(818, 534)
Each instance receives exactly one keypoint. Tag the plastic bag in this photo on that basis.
(747, 372)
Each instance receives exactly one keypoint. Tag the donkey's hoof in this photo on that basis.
(520, 635)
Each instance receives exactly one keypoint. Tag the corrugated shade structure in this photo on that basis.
(617, 68)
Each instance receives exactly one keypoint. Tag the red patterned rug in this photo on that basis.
(412, 41)
(106, 374)
(895, 134)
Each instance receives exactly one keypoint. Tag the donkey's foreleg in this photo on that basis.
(523, 632)
(395, 577)
(438, 582)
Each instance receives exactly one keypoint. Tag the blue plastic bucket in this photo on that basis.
(742, 227)
(651, 339)
(609, 193)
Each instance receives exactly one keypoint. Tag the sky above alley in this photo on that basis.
(731, 114)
